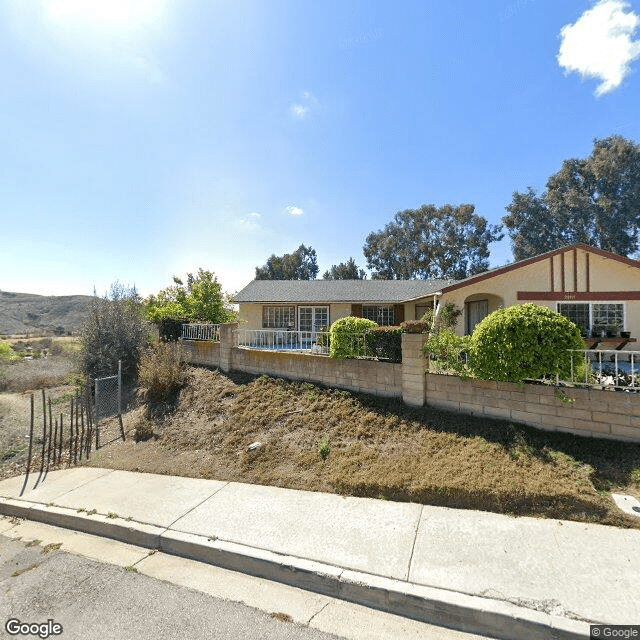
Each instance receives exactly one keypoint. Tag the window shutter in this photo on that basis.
(398, 313)
(356, 310)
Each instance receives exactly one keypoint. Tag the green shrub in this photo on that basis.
(416, 326)
(524, 341)
(170, 329)
(449, 315)
(385, 342)
(7, 354)
(446, 350)
(347, 337)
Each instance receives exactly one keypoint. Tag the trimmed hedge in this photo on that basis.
(524, 341)
(385, 343)
(347, 337)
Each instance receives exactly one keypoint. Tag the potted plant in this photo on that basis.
(625, 334)
(597, 331)
(612, 331)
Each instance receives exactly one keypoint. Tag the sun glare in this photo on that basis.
(109, 14)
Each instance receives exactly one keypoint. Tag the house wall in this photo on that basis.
(557, 279)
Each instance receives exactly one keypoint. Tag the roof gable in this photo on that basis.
(543, 256)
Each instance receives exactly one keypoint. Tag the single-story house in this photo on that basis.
(594, 288)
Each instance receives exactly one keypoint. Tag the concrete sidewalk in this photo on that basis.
(474, 571)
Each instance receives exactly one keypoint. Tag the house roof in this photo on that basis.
(451, 286)
(339, 290)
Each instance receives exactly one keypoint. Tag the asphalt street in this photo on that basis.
(92, 600)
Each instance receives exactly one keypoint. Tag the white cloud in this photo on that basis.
(294, 211)
(307, 102)
(299, 110)
(599, 44)
(248, 222)
(255, 215)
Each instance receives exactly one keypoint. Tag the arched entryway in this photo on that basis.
(477, 307)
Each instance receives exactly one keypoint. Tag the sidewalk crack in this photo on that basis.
(318, 612)
(186, 513)
(413, 547)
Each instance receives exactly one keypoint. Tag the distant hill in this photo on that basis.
(29, 313)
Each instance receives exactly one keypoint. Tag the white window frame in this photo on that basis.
(593, 302)
(314, 307)
(269, 307)
(380, 312)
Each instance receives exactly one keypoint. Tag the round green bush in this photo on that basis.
(524, 341)
(347, 337)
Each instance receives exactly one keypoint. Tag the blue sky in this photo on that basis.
(147, 138)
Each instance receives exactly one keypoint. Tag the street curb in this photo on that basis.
(469, 613)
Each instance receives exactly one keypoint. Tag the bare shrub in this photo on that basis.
(114, 330)
(161, 371)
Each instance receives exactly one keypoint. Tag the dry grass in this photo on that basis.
(41, 373)
(378, 448)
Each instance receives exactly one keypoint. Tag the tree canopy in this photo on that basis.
(348, 270)
(201, 298)
(594, 201)
(302, 264)
(431, 242)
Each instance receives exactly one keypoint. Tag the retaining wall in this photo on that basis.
(594, 412)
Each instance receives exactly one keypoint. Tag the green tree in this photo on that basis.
(200, 298)
(595, 201)
(348, 270)
(302, 264)
(431, 242)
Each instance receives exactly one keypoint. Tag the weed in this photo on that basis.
(53, 546)
(33, 543)
(281, 617)
(635, 475)
(92, 512)
(323, 447)
(112, 515)
(19, 572)
(131, 569)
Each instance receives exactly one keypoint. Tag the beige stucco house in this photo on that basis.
(594, 288)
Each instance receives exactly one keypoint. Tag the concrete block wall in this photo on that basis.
(203, 352)
(368, 376)
(594, 412)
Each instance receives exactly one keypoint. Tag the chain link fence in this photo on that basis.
(108, 400)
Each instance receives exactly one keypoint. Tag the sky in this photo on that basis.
(143, 139)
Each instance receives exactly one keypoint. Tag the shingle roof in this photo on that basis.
(339, 290)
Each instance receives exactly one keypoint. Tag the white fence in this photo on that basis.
(605, 368)
(592, 368)
(201, 332)
(282, 340)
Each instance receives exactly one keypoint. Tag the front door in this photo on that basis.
(312, 320)
(476, 311)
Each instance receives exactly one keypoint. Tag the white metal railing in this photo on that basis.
(605, 368)
(283, 340)
(201, 332)
(593, 368)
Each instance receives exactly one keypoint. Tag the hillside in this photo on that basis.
(22, 313)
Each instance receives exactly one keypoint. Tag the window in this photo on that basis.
(421, 309)
(577, 313)
(278, 317)
(382, 314)
(589, 315)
